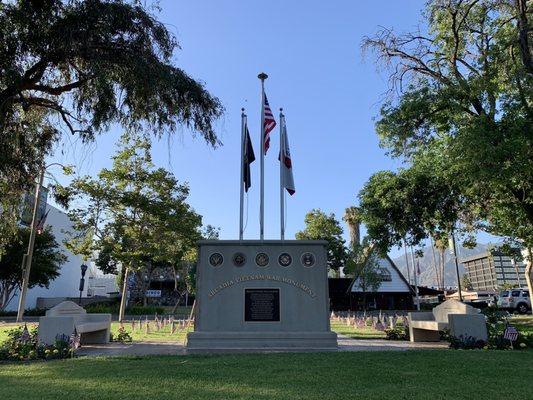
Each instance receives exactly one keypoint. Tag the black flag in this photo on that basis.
(249, 157)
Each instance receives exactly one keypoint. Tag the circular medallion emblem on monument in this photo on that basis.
(261, 259)
(308, 259)
(239, 259)
(284, 259)
(216, 259)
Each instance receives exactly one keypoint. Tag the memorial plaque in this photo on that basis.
(261, 305)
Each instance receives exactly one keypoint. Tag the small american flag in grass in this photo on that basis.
(510, 333)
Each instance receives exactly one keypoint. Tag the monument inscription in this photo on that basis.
(261, 305)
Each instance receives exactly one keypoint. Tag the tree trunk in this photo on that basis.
(529, 264)
(442, 265)
(124, 296)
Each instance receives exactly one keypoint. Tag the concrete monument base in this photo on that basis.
(261, 295)
(198, 342)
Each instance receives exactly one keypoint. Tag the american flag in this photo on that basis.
(510, 333)
(269, 123)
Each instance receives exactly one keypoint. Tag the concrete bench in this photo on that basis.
(461, 320)
(67, 316)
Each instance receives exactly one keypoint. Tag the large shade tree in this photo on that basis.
(461, 111)
(134, 214)
(76, 67)
(322, 226)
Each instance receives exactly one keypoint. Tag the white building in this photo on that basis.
(67, 283)
(394, 292)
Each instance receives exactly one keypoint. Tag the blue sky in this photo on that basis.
(330, 94)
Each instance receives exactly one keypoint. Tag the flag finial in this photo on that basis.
(262, 76)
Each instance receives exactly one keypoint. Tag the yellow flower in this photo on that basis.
(56, 351)
(523, 345)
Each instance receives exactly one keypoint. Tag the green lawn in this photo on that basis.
(163, 335)
(356, 333)
(443, 374)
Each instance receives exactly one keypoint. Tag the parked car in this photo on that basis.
(515, 300)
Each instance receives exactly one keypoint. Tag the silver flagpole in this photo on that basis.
(262, 76)
(416, 279)
(241, 209)
(281, 175)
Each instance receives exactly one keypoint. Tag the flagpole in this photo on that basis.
(262, 76)
(281, 175)
(416, 279)
(241, 208)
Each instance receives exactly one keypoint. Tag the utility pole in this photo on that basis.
(26, 260)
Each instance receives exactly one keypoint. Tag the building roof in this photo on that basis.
(398, 284)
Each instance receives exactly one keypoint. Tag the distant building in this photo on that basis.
(491, 270)
(67, 283)
(394, 292)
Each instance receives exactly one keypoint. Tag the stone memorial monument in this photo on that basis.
(261, 295)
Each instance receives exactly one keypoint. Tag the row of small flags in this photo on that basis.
(159, 323)
(379, 322)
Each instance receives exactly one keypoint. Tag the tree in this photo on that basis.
(352, 217)
(134, 213)
(407, 206)
(47, 261)
(78, 67)
(321, 226)
(461, 109)
(466, 284)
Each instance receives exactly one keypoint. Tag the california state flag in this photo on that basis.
(286, 162)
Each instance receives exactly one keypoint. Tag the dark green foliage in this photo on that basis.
(46, 263)
(321, 226)
(121, 336)
(79, 66)
(397, 333)
(133, 310)
(466, 343)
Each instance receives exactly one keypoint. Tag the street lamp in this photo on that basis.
(83, 268)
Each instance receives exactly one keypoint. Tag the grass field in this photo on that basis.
(437, 375)
(356, 333)
(523, 323)
(164, 335)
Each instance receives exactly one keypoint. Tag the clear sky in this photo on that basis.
(330, 94)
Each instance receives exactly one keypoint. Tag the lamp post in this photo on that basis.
(83, 268)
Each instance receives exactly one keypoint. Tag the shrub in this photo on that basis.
(397, 333)
(122, 336)
(101, 308)
(22, 345)
(30, 312)
(466, 343)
